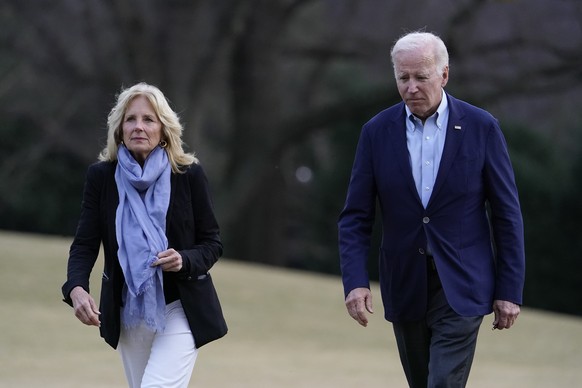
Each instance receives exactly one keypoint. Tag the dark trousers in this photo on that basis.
(437, 351)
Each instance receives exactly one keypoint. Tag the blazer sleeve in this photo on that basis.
(85, 247)
(207, 247)
(506, 219)
(356, 220)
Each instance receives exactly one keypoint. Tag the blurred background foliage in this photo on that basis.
(273, 94)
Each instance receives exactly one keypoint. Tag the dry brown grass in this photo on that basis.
(287, 329)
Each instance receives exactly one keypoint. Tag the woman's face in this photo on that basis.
(142, 129)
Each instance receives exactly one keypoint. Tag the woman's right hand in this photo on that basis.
(85, 308)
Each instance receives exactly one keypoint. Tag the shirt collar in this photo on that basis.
(440, 114)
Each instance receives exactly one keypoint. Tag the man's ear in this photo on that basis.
(445, 76)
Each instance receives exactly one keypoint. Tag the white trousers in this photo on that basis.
(159, 359)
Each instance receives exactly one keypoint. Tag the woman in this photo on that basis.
(147, 202)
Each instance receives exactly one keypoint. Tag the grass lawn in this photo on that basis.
(287, 329)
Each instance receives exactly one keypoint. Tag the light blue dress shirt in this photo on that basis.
(425, 147)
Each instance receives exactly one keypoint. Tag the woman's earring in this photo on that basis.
(163, 144)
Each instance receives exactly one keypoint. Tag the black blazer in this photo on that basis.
(192, 230)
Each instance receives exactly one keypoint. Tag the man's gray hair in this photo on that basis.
(414, 41)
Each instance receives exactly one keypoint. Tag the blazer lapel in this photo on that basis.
(112, 194)
(455, 134)
(173, 178)
(397, 133)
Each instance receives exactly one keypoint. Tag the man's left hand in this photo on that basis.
(505, 314)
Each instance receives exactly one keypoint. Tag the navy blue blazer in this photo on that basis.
(192, 230)
(478, 259)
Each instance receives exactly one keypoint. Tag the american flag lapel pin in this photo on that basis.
(457, 127)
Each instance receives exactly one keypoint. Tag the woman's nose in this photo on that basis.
(139, 125)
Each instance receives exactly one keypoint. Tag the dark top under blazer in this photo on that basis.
(475, 169)
(191, 229)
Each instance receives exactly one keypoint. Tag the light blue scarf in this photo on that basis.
(140, 225)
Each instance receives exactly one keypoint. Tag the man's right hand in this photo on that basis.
(85, 308)
(358, 301)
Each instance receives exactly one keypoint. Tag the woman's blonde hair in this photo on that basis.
(171, 127)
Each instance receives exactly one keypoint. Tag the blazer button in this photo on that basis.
(421, 251)
(189, 278)
(426, 220)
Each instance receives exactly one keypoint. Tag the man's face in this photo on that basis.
(419, 82)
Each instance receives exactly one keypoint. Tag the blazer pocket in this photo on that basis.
(202, 308)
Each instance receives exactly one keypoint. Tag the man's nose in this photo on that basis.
(412, 87)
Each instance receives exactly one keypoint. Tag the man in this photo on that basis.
(434, 164)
